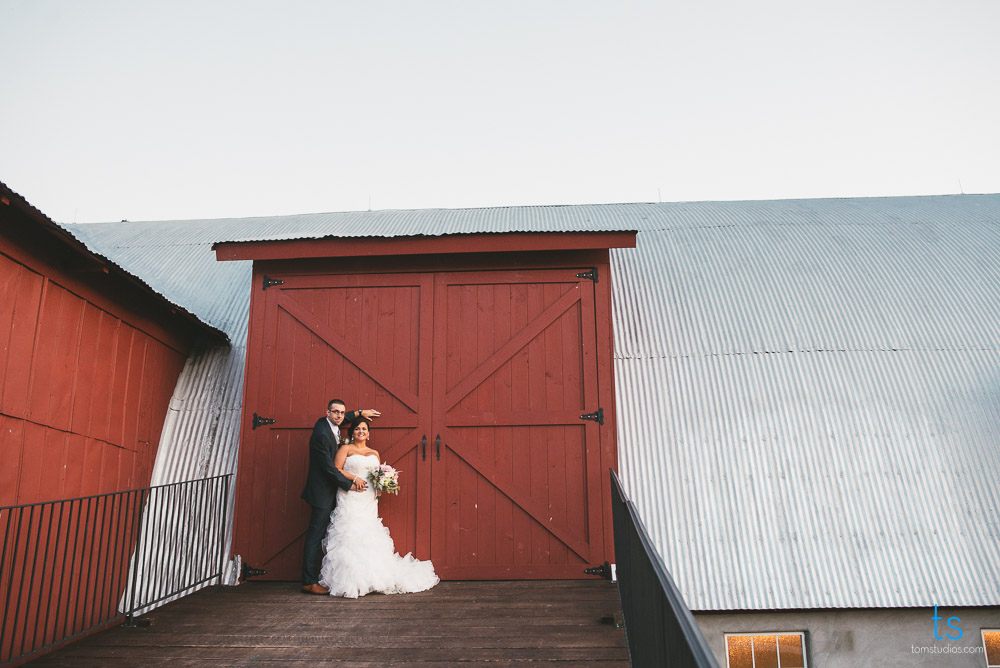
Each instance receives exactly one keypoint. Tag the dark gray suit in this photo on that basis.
(321, 493)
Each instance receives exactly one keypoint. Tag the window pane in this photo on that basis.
(740, 655)
(992, 641)
(765, 652)
(790, 648)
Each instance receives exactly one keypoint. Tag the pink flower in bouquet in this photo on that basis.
(384, 478)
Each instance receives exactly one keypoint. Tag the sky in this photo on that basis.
(143, 110)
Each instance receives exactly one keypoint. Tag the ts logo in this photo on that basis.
(950, 625)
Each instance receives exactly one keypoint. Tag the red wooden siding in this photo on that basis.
(83, 393)
(481, 377)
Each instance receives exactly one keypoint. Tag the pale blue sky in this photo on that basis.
(165, 110)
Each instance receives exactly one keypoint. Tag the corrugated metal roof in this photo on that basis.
(66, 236)
(808, 390)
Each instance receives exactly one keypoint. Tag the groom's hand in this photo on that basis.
(371, 413)
(359, 485)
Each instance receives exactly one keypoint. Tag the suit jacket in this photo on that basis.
(324, 478)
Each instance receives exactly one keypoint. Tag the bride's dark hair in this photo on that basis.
(358, 420)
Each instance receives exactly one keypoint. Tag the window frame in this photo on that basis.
(774, 634)
(986, 656)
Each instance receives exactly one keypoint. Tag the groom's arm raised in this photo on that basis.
(369, 413)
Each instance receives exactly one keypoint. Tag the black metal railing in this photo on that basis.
(72, 566)
(659, 627)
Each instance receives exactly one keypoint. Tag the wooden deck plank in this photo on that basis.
(503, 623)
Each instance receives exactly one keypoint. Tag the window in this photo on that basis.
(765, 650)
(991, 643)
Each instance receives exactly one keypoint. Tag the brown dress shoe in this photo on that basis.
(317, 589)
(305, 589)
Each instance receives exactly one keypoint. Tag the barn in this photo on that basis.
(801, 397)
(486, 357)
(90, 356)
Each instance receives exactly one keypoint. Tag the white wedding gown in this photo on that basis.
(360, 557)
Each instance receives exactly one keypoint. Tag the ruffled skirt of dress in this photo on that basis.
(360, 555)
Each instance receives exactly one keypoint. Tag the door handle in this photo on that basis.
(437, 447)
(423, 448)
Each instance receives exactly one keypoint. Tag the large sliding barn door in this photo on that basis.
(355, 337)
(481, 377)
(516, 490)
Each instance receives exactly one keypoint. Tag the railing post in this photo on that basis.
(132, 580)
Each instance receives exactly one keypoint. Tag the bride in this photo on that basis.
(360, 556)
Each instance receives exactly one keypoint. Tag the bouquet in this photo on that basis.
(385, 479)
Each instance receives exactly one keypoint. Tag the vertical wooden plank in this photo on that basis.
(402, 335)
(444, 522)
(604, 353)
(105, 376)
(64, 352)
(132, 405)
(464, 320)
(93, 462)
(11, 448)
(252, 389)
(539, 456)
(10, 281)
(85, 385)
(153, 378)
(43, 360)
(486, 404)
(76, 448)
(110, 460)
(52, 452)
(315, 397)
(574, 474)
(506, 467)
(593, 436)
(383, 322)
(20, 351)
(332, 368)
(425, 325)
(520, 447)
(555, 449)
(29, 482)
(118, 399)
(279, 525)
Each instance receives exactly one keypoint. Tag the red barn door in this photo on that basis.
(354, 337)
(516, 487)
(481, 377)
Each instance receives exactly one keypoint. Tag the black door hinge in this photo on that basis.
(249, 571)
(268, 282)
(259, 421)
(597, 416)
(604, 570)
(592, 274)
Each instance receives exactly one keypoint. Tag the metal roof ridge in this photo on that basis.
(866, 198)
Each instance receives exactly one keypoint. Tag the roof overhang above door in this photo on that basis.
(490, 242)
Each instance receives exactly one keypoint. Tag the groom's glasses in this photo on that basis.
(333, 412)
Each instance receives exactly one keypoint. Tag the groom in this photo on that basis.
(321, 487)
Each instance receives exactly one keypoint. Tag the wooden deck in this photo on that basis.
(502, 623)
